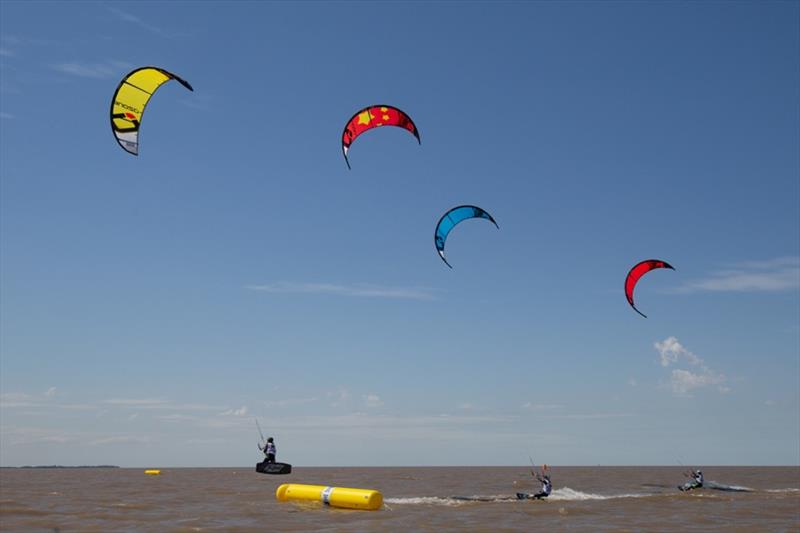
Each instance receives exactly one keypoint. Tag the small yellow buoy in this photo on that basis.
(152, 472)
(333, 496)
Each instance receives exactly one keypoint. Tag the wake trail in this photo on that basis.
(560, 495)
(450, 501)
(565, 494)
(568, 494)
(729, 488)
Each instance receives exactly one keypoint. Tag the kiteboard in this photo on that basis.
(686, 487)
(728, 488)
(273, 468)
(526, 496)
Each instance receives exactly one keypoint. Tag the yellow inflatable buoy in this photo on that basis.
(152, 472)
(334, 496)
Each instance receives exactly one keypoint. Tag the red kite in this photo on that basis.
(637, 272)
(372, 117)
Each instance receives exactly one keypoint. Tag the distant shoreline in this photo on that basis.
(60, 466)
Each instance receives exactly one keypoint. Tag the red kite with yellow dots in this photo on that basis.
(372, 117)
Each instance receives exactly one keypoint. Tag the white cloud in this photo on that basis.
(14, 40)
(777, 262)
(120, 440)
(671, 350)
(201, 101)
(589, 416)
(12, 400)
(682, 381)
(105, 70)
(133, 19)
(76, 407)
(124, 15)
(160, 403)
(373, 400)
(541, 406)
(30, 435)
(339, 398)
(178, 417)
(357, 290)
(94, 70)
(17, 399)
(226, 420)
(779, 274)
(242, 411)
(137, 402)
(371, 422)
(547, 410)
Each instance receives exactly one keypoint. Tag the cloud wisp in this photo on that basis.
(242, 411)
(683, 381)
(133, 19)
(530, 406)
(553, 411)
(45, 401)
(779, 274)
(122, 439)
(103, 70)
(160, 403)
(288, 402)
(356, 290)
(373, 400)
(588, 416)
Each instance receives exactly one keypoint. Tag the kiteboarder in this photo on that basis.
(695, 482)
(269, 450)
(547, 487)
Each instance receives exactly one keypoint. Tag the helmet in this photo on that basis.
(269, 439)
(699, 473)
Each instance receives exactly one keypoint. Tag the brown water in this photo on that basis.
(416, 499)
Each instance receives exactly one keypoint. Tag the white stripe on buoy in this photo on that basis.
(326, 495)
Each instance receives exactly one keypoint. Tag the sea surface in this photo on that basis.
(766, 499)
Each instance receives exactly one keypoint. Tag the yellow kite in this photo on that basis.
(130, 98)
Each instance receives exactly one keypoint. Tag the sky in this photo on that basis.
(153, 307)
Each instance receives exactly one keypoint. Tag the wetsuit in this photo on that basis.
(695, 483)
(547, 488)
(269, 450)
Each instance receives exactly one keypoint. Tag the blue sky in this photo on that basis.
(152, 306)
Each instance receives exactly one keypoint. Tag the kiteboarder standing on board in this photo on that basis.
(695, 482)
(269, 450)
(547, 485)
